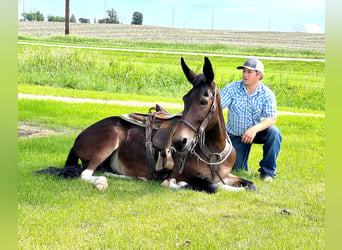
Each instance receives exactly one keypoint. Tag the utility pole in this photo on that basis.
(212, 20)
(105, 11)
(269, 23)
(173, 16)
(67, 16)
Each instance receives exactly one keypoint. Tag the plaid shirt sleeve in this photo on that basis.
(226, 96)
(270, 105)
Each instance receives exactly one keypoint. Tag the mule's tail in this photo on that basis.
(66, 172)
(71, 170)
(72, 158)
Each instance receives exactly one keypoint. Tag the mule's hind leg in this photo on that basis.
(98, 158)
(235, 181)
(96, 144)
(100, 182)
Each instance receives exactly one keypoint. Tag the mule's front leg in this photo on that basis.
(172, 183)
(230, 188)
(100, 182)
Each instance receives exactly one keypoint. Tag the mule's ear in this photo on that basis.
(208, 71)
(190, 75)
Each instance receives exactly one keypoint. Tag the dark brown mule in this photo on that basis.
(204, 155)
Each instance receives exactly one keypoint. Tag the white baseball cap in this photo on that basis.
(253, 64)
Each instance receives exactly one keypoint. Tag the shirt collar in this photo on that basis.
(258, 89)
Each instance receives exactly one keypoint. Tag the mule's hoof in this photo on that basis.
(165, 183)
(101, 183)
(142, 179)
(212, 188)
(251, 187)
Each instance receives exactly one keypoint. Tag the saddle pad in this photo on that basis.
(129, 119)
(139, 120)
(158, 115)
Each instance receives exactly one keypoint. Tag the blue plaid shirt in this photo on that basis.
(244, 110)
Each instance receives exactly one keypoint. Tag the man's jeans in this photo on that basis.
(271, 138)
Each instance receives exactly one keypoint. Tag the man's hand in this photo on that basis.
(248, 136)
(250, 133)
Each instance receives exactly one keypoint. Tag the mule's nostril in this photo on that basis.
(180, 144)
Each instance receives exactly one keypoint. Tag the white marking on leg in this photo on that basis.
(182, 183)
(172, 183)
(121, 176)
(108, 174)
(87, 174)
(230, 188)
(100, 182)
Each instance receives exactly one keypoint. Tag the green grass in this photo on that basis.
(92, 94)
(67, 92)
(296, 84)
(58, 115)
(70, 214)
(175, 46)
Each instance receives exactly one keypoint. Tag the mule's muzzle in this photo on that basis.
(183, 138)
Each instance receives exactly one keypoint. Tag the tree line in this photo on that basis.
(112, 17)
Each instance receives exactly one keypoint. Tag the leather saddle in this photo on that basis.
(160, 121)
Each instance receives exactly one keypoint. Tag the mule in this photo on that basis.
(198, 153)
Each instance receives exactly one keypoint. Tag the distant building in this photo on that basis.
(307, 28)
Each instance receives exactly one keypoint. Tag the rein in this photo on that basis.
(215, 158)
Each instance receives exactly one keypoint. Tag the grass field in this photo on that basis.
(71, 214)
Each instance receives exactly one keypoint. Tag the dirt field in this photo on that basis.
(171, 35)
(29, 130)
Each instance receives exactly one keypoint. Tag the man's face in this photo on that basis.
(250, 77)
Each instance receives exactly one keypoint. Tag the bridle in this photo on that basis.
(214, 158)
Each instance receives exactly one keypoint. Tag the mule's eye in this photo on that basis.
(203, 102)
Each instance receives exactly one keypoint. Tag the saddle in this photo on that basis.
(160, 121)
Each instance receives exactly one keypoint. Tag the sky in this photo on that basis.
(249, 15)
